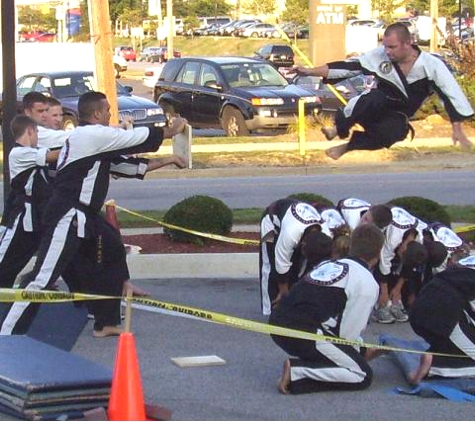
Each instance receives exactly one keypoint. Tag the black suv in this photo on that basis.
(280, 55)
(237, 94)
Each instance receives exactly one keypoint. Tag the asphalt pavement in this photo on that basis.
(245, 387)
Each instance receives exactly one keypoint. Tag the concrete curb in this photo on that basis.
(210, 265)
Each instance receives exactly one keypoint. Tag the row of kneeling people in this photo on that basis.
(329, 270)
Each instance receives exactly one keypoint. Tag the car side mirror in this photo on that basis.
(128, 88)
(214, 85)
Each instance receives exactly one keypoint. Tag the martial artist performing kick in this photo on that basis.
(444, 316)
(405, 77)
(334, 299)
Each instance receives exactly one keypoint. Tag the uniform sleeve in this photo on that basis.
(288, 240)
(392, 240)
(24, 158)
(455, 102)
(344, 69)
(129, 167)
(361, 298)
(115, 141)
(52, 139)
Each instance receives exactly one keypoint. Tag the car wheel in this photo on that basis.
(117, 71)
(234, 123)
(69, 122)
(254, 35)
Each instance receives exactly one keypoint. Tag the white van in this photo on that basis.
(210, 20)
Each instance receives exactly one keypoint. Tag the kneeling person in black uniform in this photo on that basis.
(443, 315)
(334, 299)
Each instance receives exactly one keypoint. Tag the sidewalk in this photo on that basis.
(204, 265)
(293, 146)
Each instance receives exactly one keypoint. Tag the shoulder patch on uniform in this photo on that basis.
(469, 262)
(333, 218)
(386, 67)
(354, 203)
(306, 214)
(449, 238)
(402, 219)
(328, 273)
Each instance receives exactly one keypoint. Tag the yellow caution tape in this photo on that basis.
(308, 62)
(46, 296)
(464, 229)
(197, 233)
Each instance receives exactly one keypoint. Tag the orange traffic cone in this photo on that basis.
(126, 401)
(111, 215)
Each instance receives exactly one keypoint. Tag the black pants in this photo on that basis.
(102, 261)
(17, 247)
(320, 366)
(461, 341)
(383, 124)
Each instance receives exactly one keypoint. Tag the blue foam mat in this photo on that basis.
(458, 390)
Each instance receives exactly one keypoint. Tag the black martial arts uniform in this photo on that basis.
(73, 223)
(280, 260)
(384, 111)
(334, 299)
(443, 314)
(30, 191)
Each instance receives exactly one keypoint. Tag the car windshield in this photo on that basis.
(74, 86)
(252, 74)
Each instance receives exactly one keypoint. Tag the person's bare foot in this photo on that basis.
(373, 353)
(284, 382)
(336, 152)
(136, 291)
(415, 377)
(108, 331)
(329, 132)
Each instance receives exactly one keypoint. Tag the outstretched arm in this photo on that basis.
(156, 163)
(321, 71)
(458, 136)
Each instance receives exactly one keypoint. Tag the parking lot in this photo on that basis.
(245, 387)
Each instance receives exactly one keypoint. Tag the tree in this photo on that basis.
(30, 18)
(387, 8)
(260, 7)
(297, 12)
(207, 8)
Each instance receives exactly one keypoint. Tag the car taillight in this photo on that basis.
(149, 73)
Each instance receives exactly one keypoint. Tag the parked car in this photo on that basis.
(128, 53)
(256, 30)
(347, 88)
(237, 94)
(280, 55)
(151, 75)
(145, 54)
(161, 55)
(68, 86)
(120, 65)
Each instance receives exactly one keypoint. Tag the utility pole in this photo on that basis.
(9, 111)
(434, 34)
(171, 28)
(101, 36)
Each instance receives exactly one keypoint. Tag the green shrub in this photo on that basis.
(200, 213)
(425, 209)
(312, 198)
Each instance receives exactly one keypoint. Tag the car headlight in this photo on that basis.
(267, 101)
(154, 111)
(314, 99)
